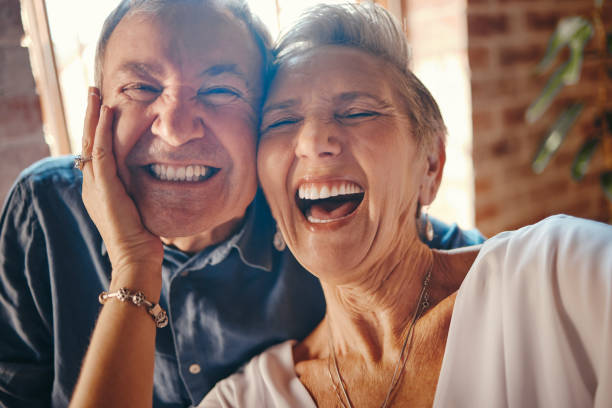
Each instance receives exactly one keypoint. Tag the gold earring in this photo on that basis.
(278, 240)
(429, 231)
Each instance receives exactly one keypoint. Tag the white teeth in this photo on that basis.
(318, 192)
(324, 193)
(192, 172)
(180, 173)
(314, 220)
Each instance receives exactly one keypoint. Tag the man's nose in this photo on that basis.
(178, 119)
(317, 140)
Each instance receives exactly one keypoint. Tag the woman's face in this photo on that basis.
(337, 161)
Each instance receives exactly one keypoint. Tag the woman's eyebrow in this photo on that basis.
(290, 103)
(355, 95)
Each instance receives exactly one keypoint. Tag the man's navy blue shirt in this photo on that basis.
(225, 303)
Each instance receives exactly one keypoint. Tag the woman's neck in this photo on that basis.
(371, 315)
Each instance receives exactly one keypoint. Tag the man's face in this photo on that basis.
(184, 86)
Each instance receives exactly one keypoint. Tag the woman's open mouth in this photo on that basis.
(325, 202)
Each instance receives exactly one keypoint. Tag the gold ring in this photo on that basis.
(79, 161)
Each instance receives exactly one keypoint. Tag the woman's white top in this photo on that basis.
(531, 327)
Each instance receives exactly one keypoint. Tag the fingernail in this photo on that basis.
(93, 91)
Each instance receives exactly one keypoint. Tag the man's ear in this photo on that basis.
(433, 175)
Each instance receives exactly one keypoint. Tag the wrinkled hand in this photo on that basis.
(130, 246)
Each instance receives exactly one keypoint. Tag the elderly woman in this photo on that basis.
(352, 147)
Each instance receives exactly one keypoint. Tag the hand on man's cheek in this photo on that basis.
(184, 134)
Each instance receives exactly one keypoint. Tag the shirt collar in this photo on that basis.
(255, 245)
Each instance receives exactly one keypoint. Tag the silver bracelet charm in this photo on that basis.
(138, 298)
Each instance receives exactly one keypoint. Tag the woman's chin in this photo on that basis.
(327, 258)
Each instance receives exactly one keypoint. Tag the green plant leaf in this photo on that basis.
(566, 74)
(581, 161)
(565, 31)
(606, 184)
(556, 135)
(551, 89)
(576, 45)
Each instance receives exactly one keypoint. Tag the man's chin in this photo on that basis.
(167, 230)
(192, 234)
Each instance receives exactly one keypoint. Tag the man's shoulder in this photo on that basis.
(41, 187)
(49, 176)
(51, 168)
(449, 236)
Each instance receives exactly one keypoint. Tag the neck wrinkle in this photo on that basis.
(371, 316)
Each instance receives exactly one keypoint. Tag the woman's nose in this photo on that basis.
(317, 140)
(178, 120)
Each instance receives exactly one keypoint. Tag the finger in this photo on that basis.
(92, 116)
(103, 162)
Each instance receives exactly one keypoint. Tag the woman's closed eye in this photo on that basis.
(354, 116)
(219, 95)
(142, 92)
(279, 123)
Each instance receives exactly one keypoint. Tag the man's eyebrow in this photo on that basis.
(142, 69)
(280, 106)
(220, 69)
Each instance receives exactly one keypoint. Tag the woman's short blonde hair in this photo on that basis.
(371, 29)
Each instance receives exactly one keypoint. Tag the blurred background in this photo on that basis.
(477, 57)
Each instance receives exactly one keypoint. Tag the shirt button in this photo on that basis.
(184, 273)
(195, 369)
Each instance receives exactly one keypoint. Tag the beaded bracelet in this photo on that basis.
(138, 298)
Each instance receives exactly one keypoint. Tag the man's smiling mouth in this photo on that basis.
(190, 173)
(326, 202)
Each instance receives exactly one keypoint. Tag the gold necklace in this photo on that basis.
(422, 305)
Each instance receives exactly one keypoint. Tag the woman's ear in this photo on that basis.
(433, 175)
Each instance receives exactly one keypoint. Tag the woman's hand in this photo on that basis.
(123, 342)
(131, 247)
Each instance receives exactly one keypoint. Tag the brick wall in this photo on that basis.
(506, 39)
(21, 135)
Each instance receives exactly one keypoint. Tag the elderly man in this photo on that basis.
(185, 84)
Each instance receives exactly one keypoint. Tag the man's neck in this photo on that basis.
(196, 243)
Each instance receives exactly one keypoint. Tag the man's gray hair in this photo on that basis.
(238, 8)
(369, 28)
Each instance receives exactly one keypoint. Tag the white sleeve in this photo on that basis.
(268, 380)
(584, 268)
(532, 324)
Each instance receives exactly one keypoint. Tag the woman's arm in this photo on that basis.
(118, 366)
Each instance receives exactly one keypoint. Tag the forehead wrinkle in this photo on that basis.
(279, 106)
(356, 95)
(142, 69)
(219, 69)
